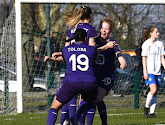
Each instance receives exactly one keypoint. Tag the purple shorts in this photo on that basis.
(106, 83)
(68, 90)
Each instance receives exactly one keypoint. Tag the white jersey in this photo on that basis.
(153, 53)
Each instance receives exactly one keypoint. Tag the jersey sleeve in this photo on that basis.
(117, 50)
(144, 50)
(93, 33)
(69, 32)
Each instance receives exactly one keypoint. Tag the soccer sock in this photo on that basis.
(64, 112)
(83, 108)
(67, 117)
(102, 111)
(72, 107)
(82, 117)
(91, 114)
(153, 105)
(52, 116)
(148, 100)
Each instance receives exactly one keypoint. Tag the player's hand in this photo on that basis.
(122, 67)
(56, 54)
(146, 77)
(46, 58)
(110, 44)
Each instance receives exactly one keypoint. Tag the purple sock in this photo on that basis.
(82, 119)
(72, 107)
(83, 108)
(91, 114)
(102, 111)
(52, 116)
(64, 113)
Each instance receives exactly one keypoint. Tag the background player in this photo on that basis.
(152, 58)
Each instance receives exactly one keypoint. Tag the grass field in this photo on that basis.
(115, 117)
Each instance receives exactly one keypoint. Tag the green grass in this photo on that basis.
(115, 117)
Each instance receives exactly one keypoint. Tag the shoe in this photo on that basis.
(74, 120)
(66, 122)
(146, 112)
(153, 116)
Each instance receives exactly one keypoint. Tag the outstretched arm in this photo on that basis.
(47, 58)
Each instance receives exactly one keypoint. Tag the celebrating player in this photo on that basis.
(105, 70)
(152, 58)
(79, 18)
(79, 78)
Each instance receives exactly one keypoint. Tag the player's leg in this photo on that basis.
(89, 92)
(67, 89)
(154, 100)
(72, 106)
(153, 89)
(64, 112)
(91, 114)
(53, 112)
(82, 118)
(101, 105)
(153, 107)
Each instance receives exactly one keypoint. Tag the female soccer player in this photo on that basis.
(79, 18)
(152, 58)
(104, 70)
(79, 78)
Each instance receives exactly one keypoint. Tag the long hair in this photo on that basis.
(72, 18)
(147, 32)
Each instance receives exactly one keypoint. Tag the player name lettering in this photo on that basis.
(76, 49)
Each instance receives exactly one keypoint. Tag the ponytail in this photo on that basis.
(146, 34)
(72, 18)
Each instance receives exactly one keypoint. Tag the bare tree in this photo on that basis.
(28, 28)
(127, 18)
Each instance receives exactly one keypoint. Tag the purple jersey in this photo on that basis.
(79, 58)
(91, 31)
(105, 62)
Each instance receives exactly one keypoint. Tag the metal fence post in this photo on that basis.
(136, 90)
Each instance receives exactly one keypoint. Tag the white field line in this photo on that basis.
(126, 114)
(8, 119)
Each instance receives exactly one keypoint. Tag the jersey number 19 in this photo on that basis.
(81, 65)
